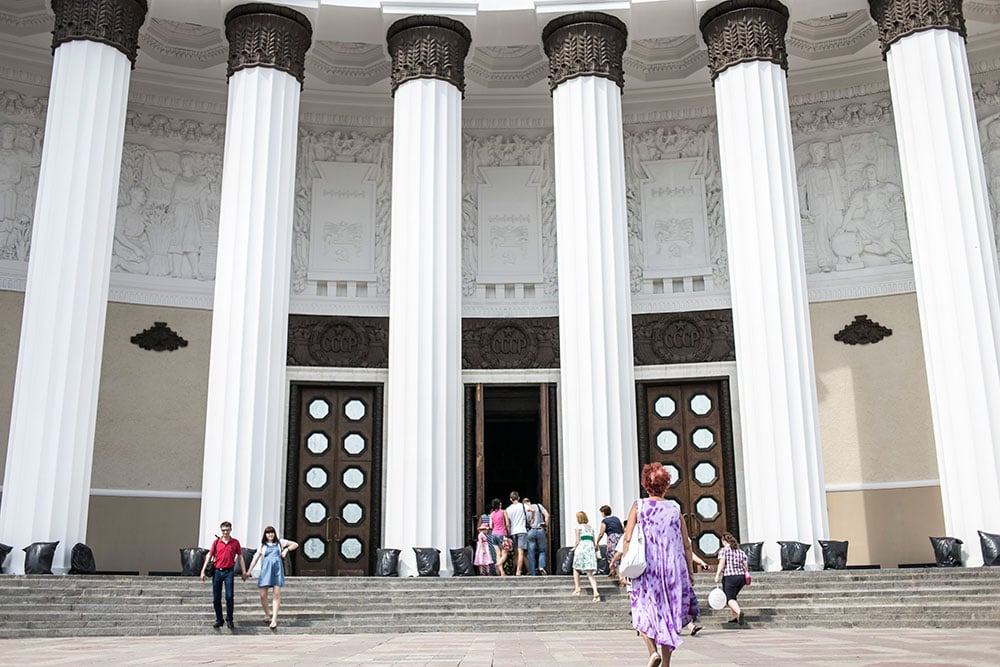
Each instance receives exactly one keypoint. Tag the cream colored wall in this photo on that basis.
(11, 305)
(142, 534)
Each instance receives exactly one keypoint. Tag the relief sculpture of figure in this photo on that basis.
(991, 156)
(130, 250)
(821, 197)
(13, 162)
(186, 212)
(873, 226)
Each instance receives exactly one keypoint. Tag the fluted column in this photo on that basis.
(243, 460)
(954, 253)
(424, 453)
(597, 381)
(782, 460)
(46, 493)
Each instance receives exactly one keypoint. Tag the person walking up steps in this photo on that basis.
(732, 573)
(585, 555)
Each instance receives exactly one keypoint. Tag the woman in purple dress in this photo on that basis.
(662, 595)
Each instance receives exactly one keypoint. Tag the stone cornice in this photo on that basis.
(739, 31)
(897, 19)
(585, 44)
(428, 47)
(263, 35)
(112, 22)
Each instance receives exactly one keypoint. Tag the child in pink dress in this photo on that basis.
(483, 557)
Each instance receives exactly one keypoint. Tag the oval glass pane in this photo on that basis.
(701, 404)
(703, 438)
(355, 410)
(352, 513)
(317, 443)
(675, 474)
(353, 478)
(316, 477)
(319, 409)
(705, 473)
(709, 543)
(350, 548)
(314, 548)
(707, 508)
(354, 443)
(664, 406)
(314, 512)
(666, 440)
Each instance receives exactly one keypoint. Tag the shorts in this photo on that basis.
(732, 584)
(520, 541)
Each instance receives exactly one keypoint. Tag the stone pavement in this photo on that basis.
(714, 646)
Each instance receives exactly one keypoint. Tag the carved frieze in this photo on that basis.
(20, 158)
(112, 22)
(862, 331)
(510, 343)
(678, 338)
(739, 31)
(159, 338)
(898, 18)
(351, 342)
(585, 44)
(428, 47)
(265, 35)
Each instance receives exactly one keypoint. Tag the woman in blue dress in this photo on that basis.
(272, 571)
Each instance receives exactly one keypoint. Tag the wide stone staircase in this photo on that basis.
(59, 606)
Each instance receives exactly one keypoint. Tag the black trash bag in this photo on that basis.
(564, 561)
(753, 550)
(388, 563)
(38, 557)
(192, 560)
(988, 542)
(947, 551)
(4, 552)
(428, 561)
(834, 554)
(793, 555)
(247, 559)
(82, 560)
(461, 561)
(602, 561)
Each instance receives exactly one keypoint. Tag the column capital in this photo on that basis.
(585, 44)
(264, 35)
(112, 22)
(740, 31)
(898, 18)
(428, 47)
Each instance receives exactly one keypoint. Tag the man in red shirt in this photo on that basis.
(227, 552)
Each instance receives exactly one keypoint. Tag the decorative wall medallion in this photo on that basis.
(351, 342)
(428, 47)
(585, 44)
(159, 338)
(510, 343)
(112, 22)
(677, 338)
(339, 338)
(898, 18)
(862, 331)
(739, 31)
(264, 35)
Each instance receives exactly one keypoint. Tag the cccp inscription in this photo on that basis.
(338, 342)
(509, 347)
(682, 340)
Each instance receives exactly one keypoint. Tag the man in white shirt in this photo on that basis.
(519, 520)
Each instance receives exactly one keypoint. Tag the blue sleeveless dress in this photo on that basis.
(272, 570)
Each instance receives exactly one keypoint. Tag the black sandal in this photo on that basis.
(695, 630)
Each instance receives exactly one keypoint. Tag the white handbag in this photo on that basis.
(634, 561)
(717, 598)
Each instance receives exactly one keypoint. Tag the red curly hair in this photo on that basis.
(655, 479)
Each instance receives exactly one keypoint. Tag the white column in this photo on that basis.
(955, 270)
(46, 492)
(424, 453)
(782, 460)
(599, 457)
(244, 461)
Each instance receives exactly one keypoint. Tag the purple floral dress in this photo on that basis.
(662, 595)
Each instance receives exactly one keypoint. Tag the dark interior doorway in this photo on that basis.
(511, 441)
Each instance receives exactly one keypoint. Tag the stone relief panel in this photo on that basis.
(20, 157)
(989, 135)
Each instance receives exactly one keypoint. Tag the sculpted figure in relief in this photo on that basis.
(131, 245)
(991, 156)
(821, 199)
(186, 212)
(15, 164)
(873, 232)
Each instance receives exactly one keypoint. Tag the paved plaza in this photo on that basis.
(713, 646)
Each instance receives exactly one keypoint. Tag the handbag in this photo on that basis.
(210, 565)
(747, 575)
(633, 563)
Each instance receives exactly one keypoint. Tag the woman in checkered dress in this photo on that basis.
(732, 573)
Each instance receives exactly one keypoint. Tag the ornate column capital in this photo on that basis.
(112, 22)
(263, 35)
(428, 47)
(740, 31)
(585, 44)
(898, 18)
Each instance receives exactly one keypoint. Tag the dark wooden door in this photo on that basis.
(337, 457)
(688, 432)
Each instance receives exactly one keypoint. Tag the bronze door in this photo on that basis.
(688, 432)
(336, 453)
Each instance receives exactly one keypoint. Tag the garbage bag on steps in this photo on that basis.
(192, 560)
(753, 551)
(988, 542)
(388, 563)
(81, 560)
(428, 561)
(947, 551)
(4, 552)
(38, 557)
(461, 562)
(793, 555)
(564, 561)
(834, 554)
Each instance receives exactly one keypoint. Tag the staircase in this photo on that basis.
(50, 606)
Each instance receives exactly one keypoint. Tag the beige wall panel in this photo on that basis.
(11, 305)
(151, 409)
(874, 406)
(141, 534)
(888, 526)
